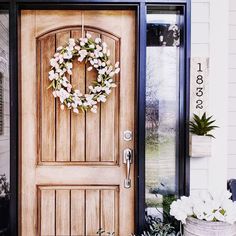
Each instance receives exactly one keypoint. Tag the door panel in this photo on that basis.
(72, 171)
(77, 209)
(64, 142)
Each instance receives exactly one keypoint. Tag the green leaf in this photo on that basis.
(202, 125)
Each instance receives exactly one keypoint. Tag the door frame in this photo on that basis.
(183, 165)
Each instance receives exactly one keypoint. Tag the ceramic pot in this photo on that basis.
(195, 227)
(200, 146)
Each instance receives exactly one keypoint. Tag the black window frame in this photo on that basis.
(183, 165)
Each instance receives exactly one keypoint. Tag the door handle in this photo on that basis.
(128, 161)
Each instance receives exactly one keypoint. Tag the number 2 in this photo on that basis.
(199, 104)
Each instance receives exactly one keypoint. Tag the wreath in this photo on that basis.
(92, 51)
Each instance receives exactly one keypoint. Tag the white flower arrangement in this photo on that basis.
(205, 206)
(96, 53)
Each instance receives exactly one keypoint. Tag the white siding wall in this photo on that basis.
(232, 92)
(210, 39)
(199, 48)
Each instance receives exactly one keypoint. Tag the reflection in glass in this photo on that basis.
(4, 123)
(162, 99)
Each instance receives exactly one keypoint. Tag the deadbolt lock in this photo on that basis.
(128, 135)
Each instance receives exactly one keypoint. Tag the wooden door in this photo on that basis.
(71, 167)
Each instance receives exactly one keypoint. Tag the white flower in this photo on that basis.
(53, 62)
(91, 54)
(72, 41)
(77, 47)
(109, 70)
(82, 43)
(80, 59)
(104, 50)
(102, 71)
(98, 88)
(90, 68)
(75, 110)
(94, 109)
(69, 87)
(104, 44)
(88, 35)
(67, 55)
(218, 215)
(107, 90)
(117, 64)
(112, 74)
(83, 53)
(101, 98)
(62, 107)
(97, 40)
(117, 70)
(113, 85)
(99, 48)
(91, 46)
(205, 206)
(59, 48)
(53, 75)
(63, 95)
(78, 93)
(54, 93)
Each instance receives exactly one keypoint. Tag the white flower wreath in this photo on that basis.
(97, 54)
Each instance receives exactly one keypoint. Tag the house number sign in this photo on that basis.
(199, 85)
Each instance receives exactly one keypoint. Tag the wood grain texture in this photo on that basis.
(84, 136)
(62, 212)
(78, 121)
(28, 126)
(110, 112)
(92, 121)
(92, 212)
(47, 210)
(96, 171)
(77, 212)
(62, 117)
(108, 211)
(48, 132)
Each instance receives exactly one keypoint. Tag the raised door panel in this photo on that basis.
(77, 210)
(66, 137)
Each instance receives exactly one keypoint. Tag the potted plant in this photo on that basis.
(200, 140)
(206, 214)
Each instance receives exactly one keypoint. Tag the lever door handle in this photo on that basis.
(128, 161)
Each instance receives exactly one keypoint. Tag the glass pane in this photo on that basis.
(162, 109)
(4, 123)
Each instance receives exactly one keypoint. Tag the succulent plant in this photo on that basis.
(202, 125)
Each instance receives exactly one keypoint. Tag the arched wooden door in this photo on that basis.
(72, 171)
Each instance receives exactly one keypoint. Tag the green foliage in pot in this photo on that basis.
(202, 125)
(154, 227)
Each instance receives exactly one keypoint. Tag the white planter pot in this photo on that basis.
(200, 146)
(195, 227)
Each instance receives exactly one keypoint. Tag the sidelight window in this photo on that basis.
(4, 123)
(162, 109)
